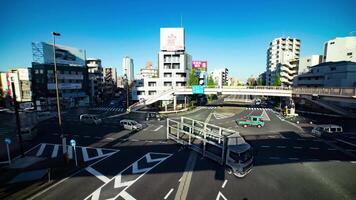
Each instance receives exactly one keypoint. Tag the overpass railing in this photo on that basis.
(342, 92)
(247, 87)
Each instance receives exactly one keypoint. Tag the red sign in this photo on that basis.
(200, 64)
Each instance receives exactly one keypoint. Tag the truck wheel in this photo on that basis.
(259, 126)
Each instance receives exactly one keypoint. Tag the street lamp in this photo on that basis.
(54, 34)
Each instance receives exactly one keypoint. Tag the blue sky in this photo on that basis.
(233, 34)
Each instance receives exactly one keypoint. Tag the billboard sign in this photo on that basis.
(201, 65)
(64, 55)
(172, 39)
(198, 89)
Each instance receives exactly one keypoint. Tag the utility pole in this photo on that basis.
(57, 96)
(18, 124)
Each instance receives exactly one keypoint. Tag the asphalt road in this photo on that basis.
(121, 164)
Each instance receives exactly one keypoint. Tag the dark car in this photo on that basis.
(153, 115)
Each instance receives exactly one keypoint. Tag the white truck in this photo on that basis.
(222, 145)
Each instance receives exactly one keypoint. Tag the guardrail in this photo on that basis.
(340, 92)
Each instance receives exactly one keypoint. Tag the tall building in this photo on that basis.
(305, 63)
(22, 82)
(220, 77)
(340, 49)
(128, 68)
(96, 80)
(174, 65)
(282, 59)
(72, 73)
(110, 82)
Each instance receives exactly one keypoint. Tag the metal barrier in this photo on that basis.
(207, 139)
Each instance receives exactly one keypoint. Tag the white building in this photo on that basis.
(305, 63)
(96, 80)
(22, 82)
(128, 68)
(147, 72)
(220, 77)
(282, 58)
(340, 49)
(174, 65)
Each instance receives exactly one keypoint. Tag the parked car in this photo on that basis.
(327, 130)
(251, 121)
(153, 115)
(129, 124)
(90, 119)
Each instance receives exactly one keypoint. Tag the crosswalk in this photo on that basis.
(111, 109)
(85, 154)
(251, 108)
(223, 115)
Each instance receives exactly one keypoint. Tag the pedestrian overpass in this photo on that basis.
(276, 91)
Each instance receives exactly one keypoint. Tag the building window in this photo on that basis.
(151, 92)
(167, 75)
(332, 68)
(167, 84)
(349, 54)
(152, 84)
(332, 42)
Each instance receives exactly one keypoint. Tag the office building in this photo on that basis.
(282, 59)
(128, 68)
(174, 66)
(340, 49)
(21, 77)
(329, 74)
(305, 63)
(96, 80)
(220, 77)
(72, 74)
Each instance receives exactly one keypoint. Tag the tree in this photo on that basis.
(193, 80)
(277, 80)
(211, 82)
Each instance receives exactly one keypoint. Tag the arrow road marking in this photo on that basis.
(220, 195)
(129, 171)
(97, 174)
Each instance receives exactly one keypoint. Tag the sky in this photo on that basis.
(233, 34)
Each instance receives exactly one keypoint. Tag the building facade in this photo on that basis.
(174, 66)
(282, 59)
(128, 68)
(22, 82)
(305, 63)
(340, 49)
(220, 77)
(96, 80)
(72, 74)
(110, 82)
(329, 74)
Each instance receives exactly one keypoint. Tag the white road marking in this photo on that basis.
(220, 195)
(109, 138)
(274, 158)
(55, 151)
(353, 162)
(293, 158)
(70, 152)
(158, 128)
(100, 152)
(265, 146)
(281, 147)
(297, 147)
(40, 151)
(169, 192)
(314, 148)
(180, 179)
(125, 195)
(183, 187)
(223, 185)
(349, 143)
(97, 174)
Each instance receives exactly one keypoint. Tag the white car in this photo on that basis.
(90, 119)
(327, 129)
(131, 125)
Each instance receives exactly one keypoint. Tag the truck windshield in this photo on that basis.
(241, 157)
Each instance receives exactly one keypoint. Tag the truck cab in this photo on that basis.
(251, 121)
(239, 156)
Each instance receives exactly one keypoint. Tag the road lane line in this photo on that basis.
(281, 147)
(109, 138)
(265, 146)
(349, 143)
(297, 147)
(55, 151)
(85, 154)
(169, 192)
(125, 195)
(187, 177)
(223, 185)
(158, 128)
(314, 148)
(40, 151)
(353, 162)
(293, 158)
(70, 152)
(97, 174)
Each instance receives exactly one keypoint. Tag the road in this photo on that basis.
(121, 164)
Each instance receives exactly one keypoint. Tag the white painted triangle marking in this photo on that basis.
(70, 152)
(55, 151)
(119, 184)
(97, 174)
(40, 151)
(126, 195)
(96, 194)
(220, 195)
(136, 170)
(149, 158)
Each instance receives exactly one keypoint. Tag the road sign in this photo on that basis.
(7, 141)
(72, 142)
(198, 89)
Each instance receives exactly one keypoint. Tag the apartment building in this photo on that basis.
(340, 49)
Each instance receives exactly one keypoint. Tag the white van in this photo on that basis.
(89, 119)
(129, 124)
(327, 129)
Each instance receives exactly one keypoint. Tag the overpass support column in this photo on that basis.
(185, 101)
(175, 102)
